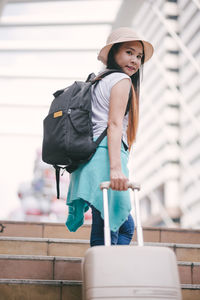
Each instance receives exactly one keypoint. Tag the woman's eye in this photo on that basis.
(139, 56)
(129, 52)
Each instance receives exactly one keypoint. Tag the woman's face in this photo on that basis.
(129, 57)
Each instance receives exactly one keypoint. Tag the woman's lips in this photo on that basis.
(131, 68)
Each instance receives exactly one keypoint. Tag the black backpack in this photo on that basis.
(67, 129)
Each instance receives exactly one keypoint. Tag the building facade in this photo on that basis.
(166, 158)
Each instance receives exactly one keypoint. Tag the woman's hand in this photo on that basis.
(118, 181)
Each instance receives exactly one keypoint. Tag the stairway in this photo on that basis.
(43, 260)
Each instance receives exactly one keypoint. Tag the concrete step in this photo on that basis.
(42, 246)
(77, 248)
(59, 230)
(40, 267)
(190, 292)
(39, 290)
(61, 290)
(62, 268)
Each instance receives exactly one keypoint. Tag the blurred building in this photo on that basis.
(47, 45)
(166, 159)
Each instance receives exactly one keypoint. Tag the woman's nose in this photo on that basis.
(134, 59)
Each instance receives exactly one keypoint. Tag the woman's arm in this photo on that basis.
(118, 103)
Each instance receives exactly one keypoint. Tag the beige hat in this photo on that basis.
(124, 34)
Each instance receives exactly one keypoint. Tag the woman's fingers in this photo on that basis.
(119, 182)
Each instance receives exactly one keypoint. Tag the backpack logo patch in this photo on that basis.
(58, 114)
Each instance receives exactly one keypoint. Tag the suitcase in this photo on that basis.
(129, 272)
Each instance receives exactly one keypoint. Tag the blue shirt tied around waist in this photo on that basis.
(84, 186)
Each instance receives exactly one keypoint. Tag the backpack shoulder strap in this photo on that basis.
(90, 77)
(104, 74)
(101, 137)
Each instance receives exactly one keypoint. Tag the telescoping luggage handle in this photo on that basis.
(135, 188)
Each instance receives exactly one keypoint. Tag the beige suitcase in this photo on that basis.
(129, 272)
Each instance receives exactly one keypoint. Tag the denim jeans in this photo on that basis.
(123, 236)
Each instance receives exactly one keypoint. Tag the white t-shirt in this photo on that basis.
(100, 103)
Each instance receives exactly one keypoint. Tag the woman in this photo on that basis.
(126, 52)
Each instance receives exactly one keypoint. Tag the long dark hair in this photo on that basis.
(134, 105)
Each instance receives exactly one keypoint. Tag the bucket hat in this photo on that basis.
(120, 35)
